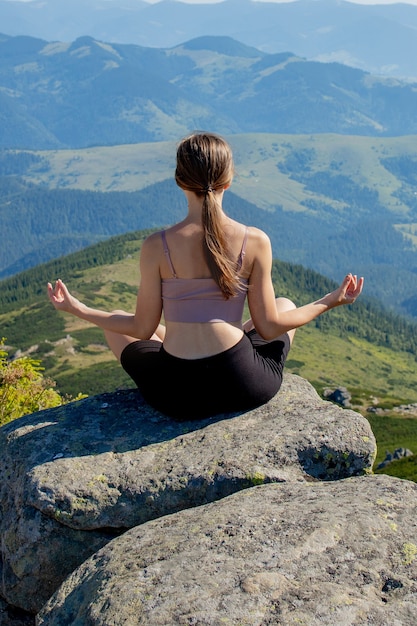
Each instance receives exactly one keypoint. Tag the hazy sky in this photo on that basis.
(354, 1)
(213, 1)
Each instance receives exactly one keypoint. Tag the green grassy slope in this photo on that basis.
(258, 157)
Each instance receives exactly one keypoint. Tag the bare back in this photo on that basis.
(193, 340)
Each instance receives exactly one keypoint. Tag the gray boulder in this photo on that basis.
(329, 553)
(74, 478)
(340, 395)
(399, 453)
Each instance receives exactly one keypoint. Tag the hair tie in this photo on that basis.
(208, 189)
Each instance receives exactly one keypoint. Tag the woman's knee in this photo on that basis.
(116, 341)
(284, 304)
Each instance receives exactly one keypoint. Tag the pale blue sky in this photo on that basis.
(414, 2)
(353, 1)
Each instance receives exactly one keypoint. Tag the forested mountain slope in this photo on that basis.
(329, 202)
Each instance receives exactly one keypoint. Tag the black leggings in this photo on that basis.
(241, 378)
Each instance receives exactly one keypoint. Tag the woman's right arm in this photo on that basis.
(143, 323)
(270, 323)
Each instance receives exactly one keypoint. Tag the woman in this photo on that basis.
(198, 274)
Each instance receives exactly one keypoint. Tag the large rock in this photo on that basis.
(74, 477)
(340, 553)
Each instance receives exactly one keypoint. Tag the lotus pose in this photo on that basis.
(196, 276)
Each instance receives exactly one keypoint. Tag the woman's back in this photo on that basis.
(200, 321)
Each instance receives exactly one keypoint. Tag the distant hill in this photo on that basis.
(381, 39)
(88, 92)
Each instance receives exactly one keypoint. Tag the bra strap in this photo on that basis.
(167, 254)
(243, 250)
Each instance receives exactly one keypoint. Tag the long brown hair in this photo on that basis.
(204, 165)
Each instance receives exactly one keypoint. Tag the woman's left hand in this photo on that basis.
(349, 290)
(62, 299)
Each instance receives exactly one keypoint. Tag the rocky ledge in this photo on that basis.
(114, 514)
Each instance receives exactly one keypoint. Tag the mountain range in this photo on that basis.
(381, 39)
(86, 93)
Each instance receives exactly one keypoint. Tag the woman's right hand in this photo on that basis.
(62, 299)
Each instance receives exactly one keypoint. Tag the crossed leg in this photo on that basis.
(117, 342)
(282, 304)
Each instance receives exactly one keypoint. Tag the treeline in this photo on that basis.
(301, 165)
(44, 224)
(39, 222)
(17, 163)
(366, 319)
(26, 287)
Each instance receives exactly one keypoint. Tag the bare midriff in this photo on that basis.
(190, 340)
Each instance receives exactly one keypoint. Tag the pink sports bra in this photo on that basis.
(200, 299)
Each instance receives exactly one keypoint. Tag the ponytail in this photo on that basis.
(204, 165)
(216, 251)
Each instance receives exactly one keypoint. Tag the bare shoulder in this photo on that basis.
(153, 241)
(258, 250)
(258, 238)
(151, 247)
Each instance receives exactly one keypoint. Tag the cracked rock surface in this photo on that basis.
(328, 553)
